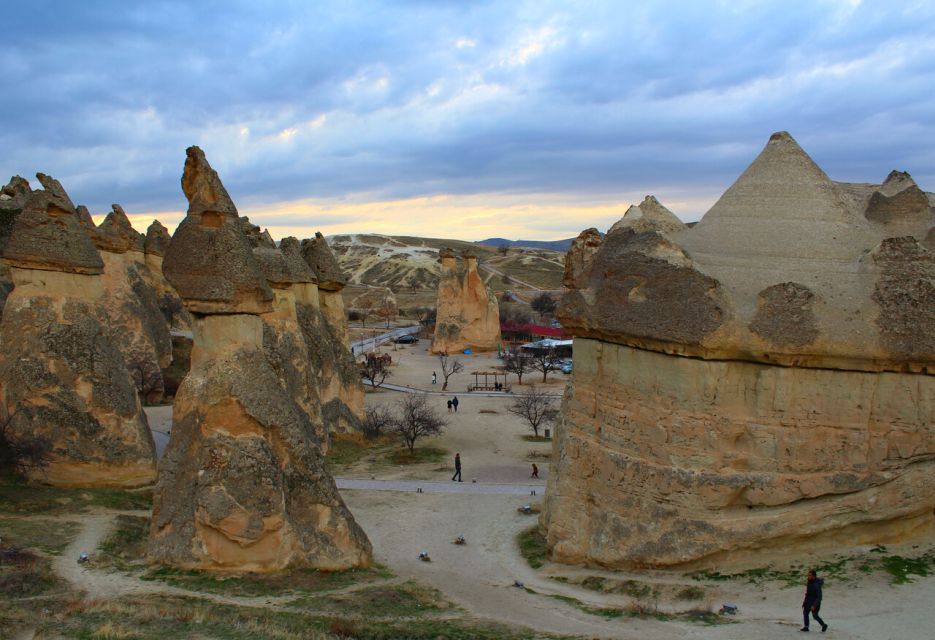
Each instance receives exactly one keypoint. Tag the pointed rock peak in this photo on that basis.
(783, 184)
(292, 252)
(47, 236)
(157, 239)
(267, 240)
(209, 261)
(56, 192)
(84, 217)
(116, 234)
(650, 215)
(17, 187)
(320, 258)
(208, 200)
(897, 181)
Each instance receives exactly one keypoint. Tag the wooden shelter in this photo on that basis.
(491, 381)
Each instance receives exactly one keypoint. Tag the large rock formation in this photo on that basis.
(62, 376)
(242, 484)
(468, 315)
(13, 198)
(324, 324)
(805, 414)
(130, 304)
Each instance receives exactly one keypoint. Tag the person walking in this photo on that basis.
(457, 468)
(535, 470)
(454, 403)
(449, 406)
(812, 602)
(434, 378)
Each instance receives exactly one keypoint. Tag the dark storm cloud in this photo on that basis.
(361, 100)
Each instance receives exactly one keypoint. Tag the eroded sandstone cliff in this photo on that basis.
(763, 380)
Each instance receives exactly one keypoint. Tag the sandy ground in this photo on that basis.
(479, 575)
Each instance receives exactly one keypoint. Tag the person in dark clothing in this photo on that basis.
(535, 470)
(457, 468)
(449, 406)
(454, 403)
(812, 602)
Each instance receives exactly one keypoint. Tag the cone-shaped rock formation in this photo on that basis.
(243, 483)
(805, 415)
(468, 315)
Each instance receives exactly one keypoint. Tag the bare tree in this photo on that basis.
(376, 368)
(417, 419)
(450, 366)
(517, 362)
(387, 311)
(535, 407)
(21, 454)
(544, 360)
(543, 304)
(377, 420)
(425, 316)
(503, 249)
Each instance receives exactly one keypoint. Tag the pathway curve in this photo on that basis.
(441, 487)
(513, 279)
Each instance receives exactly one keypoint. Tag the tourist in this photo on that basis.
(457, 468)
(449, 406)
(434, 378)
(535, 471)
(454, 403)
(812, 602)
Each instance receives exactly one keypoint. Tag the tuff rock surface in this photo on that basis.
(468, 315)
(130, 305)
(242, 484)
(62, 375)
(323, 321)
(763, 380)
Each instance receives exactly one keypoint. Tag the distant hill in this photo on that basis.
(551, 245)
(409, 265)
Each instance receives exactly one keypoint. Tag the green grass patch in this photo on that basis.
(39, 533)
(126, 544)
(419, 455)
(900, 569)
(296, 581)
(20, 498)
(157, 617)
(347, 451)
(534, 438)
(533, 548)
(409, 599)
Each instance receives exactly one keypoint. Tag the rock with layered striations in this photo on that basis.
(803, 417)
(62, 375)
(468, 315)
(324, 324)
(243, 484)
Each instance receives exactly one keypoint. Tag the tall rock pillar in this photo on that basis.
(243, 483)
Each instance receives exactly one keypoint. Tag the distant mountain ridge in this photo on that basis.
(552, 245)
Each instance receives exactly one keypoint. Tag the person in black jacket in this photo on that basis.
(812, 602)
(457, 468)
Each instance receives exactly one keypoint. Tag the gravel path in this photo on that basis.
(442, 487)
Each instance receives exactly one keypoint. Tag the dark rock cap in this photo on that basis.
(116, 234)
(47, 235)
(157, 239)
(84, 217)
(209, 261)
(13, 197)
(292, 252)
(320, 258)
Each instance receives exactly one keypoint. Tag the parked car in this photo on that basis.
(566, 367)
(407, 339)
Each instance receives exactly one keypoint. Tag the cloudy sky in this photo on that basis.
(457, 119)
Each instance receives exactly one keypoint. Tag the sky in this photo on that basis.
(465, 120)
